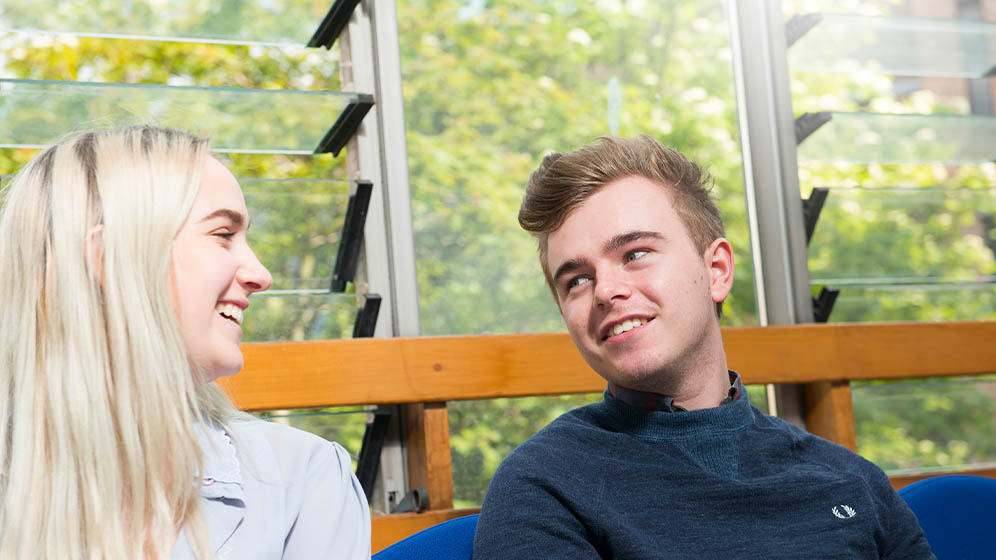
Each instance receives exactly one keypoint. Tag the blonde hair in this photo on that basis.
(98, 451)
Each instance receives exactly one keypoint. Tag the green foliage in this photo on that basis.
(927, 424)
(345, 425)
(492, 87)
(296, 203)
(482, 433)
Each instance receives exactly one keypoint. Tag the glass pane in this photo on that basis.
(898, 46)
(894, 138)
(491, 89)
(923, 302)
(295, 230)
(903, 236)
(299, 315)
(34, 112)
(484, 432)
(924, 425)
(899, 247)
(344, 425)
(241, 21)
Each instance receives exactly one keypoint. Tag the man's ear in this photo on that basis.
(94, 248)
(719, 260)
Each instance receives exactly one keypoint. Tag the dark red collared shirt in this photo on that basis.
(664, 403)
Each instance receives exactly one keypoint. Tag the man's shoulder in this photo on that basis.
(804, 447)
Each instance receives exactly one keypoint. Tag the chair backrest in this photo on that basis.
(449, 540)
(957, 514)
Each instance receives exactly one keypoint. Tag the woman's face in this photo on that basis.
(214, 272)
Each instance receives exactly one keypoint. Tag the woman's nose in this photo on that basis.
(253, 275)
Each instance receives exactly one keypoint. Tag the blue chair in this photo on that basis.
(957, 514)
(449, 540)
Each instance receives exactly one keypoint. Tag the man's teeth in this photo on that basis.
(626, 325)
(229, 311)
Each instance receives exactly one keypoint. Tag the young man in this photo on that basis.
(674, 462)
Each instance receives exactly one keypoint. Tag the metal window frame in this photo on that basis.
(771, 175)
(370, 63)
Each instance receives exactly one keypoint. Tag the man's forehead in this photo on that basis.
(631, 204)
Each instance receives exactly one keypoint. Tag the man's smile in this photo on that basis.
(624, 325)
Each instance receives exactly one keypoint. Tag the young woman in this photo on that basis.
(124, 276)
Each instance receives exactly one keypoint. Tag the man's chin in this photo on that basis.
(642, 377)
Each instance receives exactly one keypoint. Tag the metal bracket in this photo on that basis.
(415, 501)
(366, 318)
(368, 462)
(351, 238)
(808, 123)
(333, 23)
(823, 304)
(375, 434)
(811, 208)
(345, 126)
(988, 230)
(798, 25)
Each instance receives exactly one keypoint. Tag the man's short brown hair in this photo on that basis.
(564, 181)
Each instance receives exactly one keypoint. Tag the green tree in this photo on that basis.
(490, 88)
(296, 203)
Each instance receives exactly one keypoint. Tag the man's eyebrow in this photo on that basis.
(624, 239)
(569, 266)
(611, 245)
(236, 218)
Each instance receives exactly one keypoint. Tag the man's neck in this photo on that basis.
(732, 389)
(707, 392)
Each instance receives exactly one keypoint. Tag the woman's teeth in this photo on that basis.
(230, 311)
(626, 325)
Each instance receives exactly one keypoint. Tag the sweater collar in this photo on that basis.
(707, 424)
(657, 402)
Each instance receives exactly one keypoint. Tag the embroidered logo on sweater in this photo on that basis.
(844, 511)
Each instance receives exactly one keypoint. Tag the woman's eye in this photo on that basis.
(227, 235)
(633, 255)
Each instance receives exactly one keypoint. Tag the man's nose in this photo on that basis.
(611, 285)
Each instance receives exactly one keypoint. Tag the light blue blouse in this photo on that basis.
(279, 493)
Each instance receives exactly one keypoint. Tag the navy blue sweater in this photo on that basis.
(612, 481)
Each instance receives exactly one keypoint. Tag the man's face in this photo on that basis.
(637, 296)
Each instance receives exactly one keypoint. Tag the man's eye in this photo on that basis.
(576, 281)
(633, 255)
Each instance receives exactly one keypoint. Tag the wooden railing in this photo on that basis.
(426, 372)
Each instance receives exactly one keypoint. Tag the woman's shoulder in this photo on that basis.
(278, 453)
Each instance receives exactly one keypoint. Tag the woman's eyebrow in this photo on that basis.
(236, 218)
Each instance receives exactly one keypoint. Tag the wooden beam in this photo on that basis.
(830, 412)
(427, 440)
(838, 352)
(388, 529)
(430, 369)
(406, 370)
